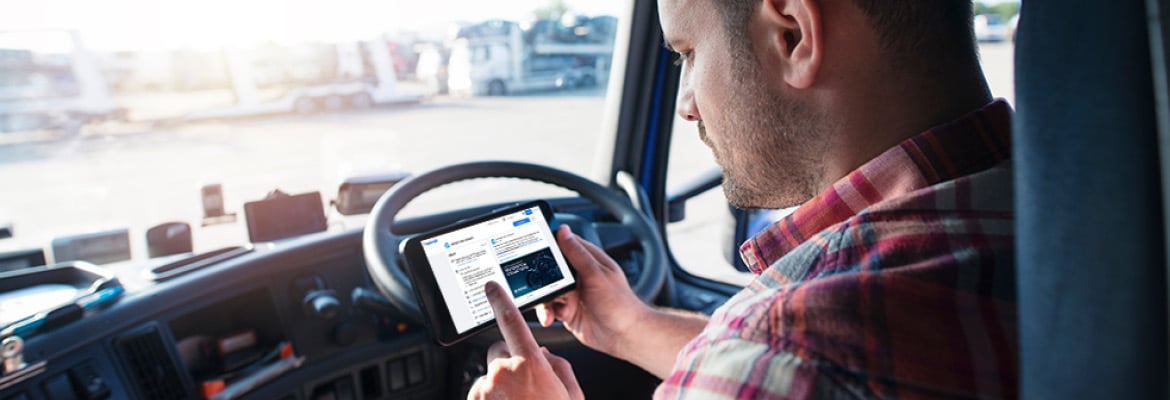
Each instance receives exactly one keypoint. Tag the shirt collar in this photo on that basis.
(972, 143)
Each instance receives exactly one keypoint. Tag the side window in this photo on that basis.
(706, 241)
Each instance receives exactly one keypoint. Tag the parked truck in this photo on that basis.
(50, 81)
(501, 57)
(310, 78)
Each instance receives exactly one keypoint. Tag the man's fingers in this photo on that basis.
(604, 261)
(479, 389)
(497, 350)
(545, 314)
(558, 308)
(564, 372)
(512, 324)
(586, 257)
(573, 247)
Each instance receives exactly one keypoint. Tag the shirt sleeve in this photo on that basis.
(734, 368)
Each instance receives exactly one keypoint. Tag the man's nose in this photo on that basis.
(686, 107)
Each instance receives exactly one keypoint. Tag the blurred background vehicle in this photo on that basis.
(991, 28)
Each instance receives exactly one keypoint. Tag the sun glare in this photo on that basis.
(144, 25)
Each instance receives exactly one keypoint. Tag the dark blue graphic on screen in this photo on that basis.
(531, 272)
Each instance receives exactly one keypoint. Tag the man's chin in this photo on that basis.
(738, 196)
(744, 199)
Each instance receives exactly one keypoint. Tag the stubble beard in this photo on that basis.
(776, 159)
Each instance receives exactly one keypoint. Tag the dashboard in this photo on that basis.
(298, 319)
(294, 321)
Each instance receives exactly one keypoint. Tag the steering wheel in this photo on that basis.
(381, 242)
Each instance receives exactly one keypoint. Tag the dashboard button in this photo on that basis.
(415, 370)
(397, 376)
(88, 383)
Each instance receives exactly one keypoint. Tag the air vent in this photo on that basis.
(151, 365)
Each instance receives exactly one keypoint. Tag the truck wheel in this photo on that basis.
(334, 103)
(497, 88)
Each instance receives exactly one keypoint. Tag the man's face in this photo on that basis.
(768, 144)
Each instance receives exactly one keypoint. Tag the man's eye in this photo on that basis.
(681, 58)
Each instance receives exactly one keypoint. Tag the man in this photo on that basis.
(895, 276)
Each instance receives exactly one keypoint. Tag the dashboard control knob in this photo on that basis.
(11, 352)
(322, 304)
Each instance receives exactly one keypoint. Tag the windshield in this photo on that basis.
(118, 117)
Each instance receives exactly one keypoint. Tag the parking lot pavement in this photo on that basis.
(141, 177)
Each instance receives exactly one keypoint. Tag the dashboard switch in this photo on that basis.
(415, 371)
(397, 375)
(319, 301)
(323, 304)
(88, 384)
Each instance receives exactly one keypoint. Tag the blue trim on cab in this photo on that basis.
(650, 144)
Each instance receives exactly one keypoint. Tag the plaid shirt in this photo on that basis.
(899, 281)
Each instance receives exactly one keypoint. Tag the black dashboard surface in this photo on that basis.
(299, 319)
(278, 320)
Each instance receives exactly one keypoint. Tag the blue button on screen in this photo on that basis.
(520, 222)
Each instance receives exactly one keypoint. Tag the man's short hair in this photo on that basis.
(910, 30)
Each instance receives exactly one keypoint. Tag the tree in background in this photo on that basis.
(554, 10)
(1005, 10)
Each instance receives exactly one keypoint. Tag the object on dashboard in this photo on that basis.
(98, 247)
(374, 303)
(229, 337)
(21, 259)
(244, 383)
(41, 299)
(213, 386)
(196, 353)
(213, 206)
(169, 238)
(357, 194)
(281, 216)
(236, 342)
(12, 352)
(319, 301)
(389, 318)
(205, 355)
(195, 263)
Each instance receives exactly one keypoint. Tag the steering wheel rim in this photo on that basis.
(381, 245)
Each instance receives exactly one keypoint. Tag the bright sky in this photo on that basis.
(169, 24)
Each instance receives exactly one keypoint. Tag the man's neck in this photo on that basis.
(890, 111)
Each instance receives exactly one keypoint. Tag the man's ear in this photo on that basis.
(793, 34)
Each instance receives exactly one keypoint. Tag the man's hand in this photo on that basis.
(605, 314)
(518, 368)
(603, 309)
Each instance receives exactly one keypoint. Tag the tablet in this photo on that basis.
(514, 246)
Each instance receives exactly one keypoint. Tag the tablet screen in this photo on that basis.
(516, 249)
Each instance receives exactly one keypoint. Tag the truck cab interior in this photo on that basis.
(246, 298)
